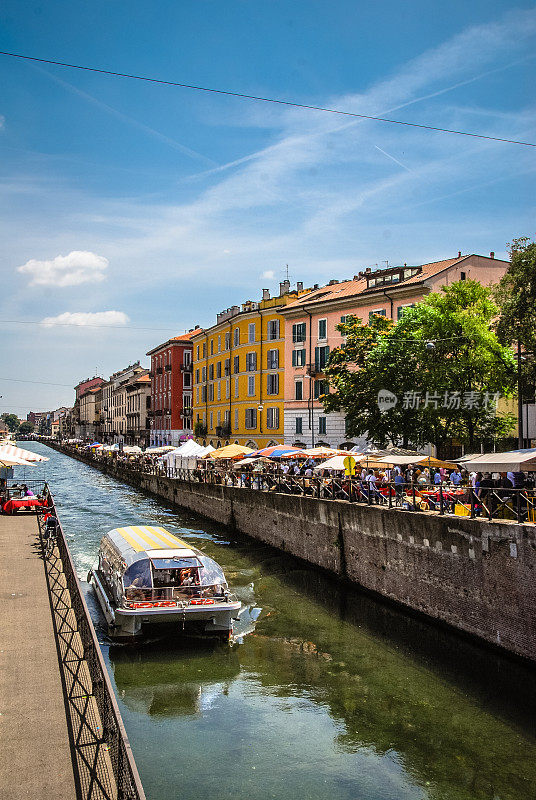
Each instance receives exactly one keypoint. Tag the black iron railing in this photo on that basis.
(100, 740)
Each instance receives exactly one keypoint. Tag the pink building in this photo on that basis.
(311, 334)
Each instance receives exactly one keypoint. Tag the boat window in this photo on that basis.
(210, 573)
(175, 563)
(138, 575)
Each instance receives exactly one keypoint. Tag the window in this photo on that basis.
(211, 372)
(212, 348)
(197, 376)
(197, 396)
(227, 340)
(236, 337)
(321, 358)
(273, 359)
(218, 369)
(203, 374)
(251, 385)
(187, 359)
(204, 349)
(251, 332)
(298, 358)
(462, 276)
(273, 384)
(203, 394)
(251, 418)
(219, 390)
(187, 380)
(227, 366)
(211, 393)
(298, 390)
(236, 419)
(379, 312)
(251, 362)
(211, 420)
(402, 310)
(273, 330)
(320, 388)
(236, 387)
(227, 388)
(272, 418)
(299, 424)
(298, 332)
(321, 424)
(197, 352)
(322, 329)
(219, 344)
(236, 364)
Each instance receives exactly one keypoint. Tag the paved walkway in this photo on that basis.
(35, 754)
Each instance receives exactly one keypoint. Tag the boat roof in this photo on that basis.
(137, 542)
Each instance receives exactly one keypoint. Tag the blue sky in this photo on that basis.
(156, 207)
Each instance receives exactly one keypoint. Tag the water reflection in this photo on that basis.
(330, 694)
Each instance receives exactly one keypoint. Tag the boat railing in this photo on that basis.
(171, 593)
(111, 732)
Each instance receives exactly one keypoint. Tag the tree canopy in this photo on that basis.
(441, 365)
(12, 422)
(516, 297)
(26, 427)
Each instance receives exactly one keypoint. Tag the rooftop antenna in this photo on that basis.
(287, 276)
(386, 263)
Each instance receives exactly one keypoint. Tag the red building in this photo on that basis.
(171, 390)
(87, 384)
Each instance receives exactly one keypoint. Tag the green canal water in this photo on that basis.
(326, 694)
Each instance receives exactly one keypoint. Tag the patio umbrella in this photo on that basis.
(316, 452)
(13, 461)
(277, 451)
(18, 452)
(230, 451)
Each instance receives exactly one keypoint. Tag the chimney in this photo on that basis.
(284, 286)
(368, 271)
(265, 294)
(459, 253)
(299, 286)
(492, 254)
(315, 286)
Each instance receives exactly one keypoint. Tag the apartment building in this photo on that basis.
(171, 390)
(239, 366)
(138, 407)
(311, 333)
(89, 413)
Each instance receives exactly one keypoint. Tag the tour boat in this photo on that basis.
(147, 580)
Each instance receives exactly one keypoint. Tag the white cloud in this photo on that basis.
(94, 319)
(268, 274)
(79, 266)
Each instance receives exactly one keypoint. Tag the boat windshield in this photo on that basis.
(138, 575)
(210, 573)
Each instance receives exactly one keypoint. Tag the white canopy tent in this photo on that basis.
(185, 456)
(513, 461)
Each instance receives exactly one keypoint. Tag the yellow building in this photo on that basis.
(238, 372)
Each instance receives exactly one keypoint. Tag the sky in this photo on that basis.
(132, 211)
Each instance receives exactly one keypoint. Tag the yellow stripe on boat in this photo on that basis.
(148, 537)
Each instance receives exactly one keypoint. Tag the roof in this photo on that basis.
(185, 338)
(148, 537)
(358, 286)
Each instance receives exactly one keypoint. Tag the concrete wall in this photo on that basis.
(471, 574)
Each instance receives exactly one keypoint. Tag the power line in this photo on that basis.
(243, 96)
(77, 325)
(44, 383)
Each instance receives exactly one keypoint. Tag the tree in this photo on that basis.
(12, 422)
(516, 297)
(442, 363)
(26, 428)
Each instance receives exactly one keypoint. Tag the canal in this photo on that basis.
(326, 693)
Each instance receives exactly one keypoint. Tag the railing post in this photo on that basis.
(519, 505)
(472, 502)
(441, 507)
(389, 495)
(413, 494)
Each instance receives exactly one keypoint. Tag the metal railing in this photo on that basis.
(100, 735)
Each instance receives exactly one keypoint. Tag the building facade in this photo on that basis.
(239, 368)
(89, 413)
(311, 333)
(138, 407)
(171, 390)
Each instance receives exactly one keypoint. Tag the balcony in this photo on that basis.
(312, 369)
(168, 367)
(159, 370)
(151, 374)
(150, 413)
(187, 368)
(223, 431)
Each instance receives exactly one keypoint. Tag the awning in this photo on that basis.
(512, 461)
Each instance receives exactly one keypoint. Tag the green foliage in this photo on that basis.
(200, 430)
(516, 297)
(12, 422)
(26, 428)
(466, 357)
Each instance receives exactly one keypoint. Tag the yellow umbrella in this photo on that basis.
(230, 451)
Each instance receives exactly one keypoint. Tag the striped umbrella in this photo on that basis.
(17, 452)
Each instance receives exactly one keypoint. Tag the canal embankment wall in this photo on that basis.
(471, 574)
